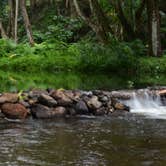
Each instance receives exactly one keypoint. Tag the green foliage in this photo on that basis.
(58, 28)
(117, 56)
(83, 56)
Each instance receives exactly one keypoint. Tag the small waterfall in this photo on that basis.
(146, 103)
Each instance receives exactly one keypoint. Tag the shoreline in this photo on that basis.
(51, 103)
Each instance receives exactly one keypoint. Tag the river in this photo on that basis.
(119, 140)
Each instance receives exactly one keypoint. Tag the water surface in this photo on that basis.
(124, 139)
(119, 140)
(12, 81)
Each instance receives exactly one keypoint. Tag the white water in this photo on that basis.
(143, 103)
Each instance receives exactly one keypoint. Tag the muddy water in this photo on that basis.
(123, 139)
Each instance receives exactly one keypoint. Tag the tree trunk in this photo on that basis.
(16, 18)
(11, 24)
(2, 31)
(26, 22)
(100, 26)
(124, 21)
(154, 28)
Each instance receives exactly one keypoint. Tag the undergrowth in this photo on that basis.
(84, 56)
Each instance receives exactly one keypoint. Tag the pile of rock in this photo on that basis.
(43, 104)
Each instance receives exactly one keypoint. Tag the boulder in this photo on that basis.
(24, 103)
(100, 111)
(62, 98)
(81, 108)
(8, 98)
(47, 100)
(43, 112)
(120, 106)
(14, 111)
(34, 94)
(123, 95)
(39, 111)
(162, 92)
(94, 103)
(103, 99)
(32, 101)
(72, 111)
(59, 112)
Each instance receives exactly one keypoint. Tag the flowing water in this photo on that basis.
(147, 105)
(121, 139)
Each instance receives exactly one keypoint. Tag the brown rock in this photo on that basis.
(14, 111)
(9, 98)
(47, 100)
(120, 106)
(162, 92)
(59, 112)
(100, 111)
(43, 112)
(94, 103)
(40, 111)
(63, 98)
(34, 94)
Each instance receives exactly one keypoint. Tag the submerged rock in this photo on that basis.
(14, 111)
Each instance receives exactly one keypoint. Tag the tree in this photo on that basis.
(154, 40)
(2, 31)
(95, 18)
(26, 22)
(16, 18)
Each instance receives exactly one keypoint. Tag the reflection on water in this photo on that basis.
(23, 81)
(118, 140)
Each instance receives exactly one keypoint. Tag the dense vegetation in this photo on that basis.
(128, 37)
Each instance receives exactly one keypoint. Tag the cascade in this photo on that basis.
(144, 102)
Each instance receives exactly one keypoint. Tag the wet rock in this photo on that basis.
(109, 104)
(103, 99)
(72, 111)
(62, 98)
(47, 100)
(111, 110)
(81, 108)
(40, 111)
(77, 95)
(101, 111)
(120, 106)
(14, 111)
(32, 101)
(59, 112)
(8, 98)
(87, 93)
(94, 103)
(24, 103)
(123, 95)
(43, 112)
(34, 94)
(162, 92)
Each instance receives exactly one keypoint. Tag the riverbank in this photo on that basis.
(51, 103)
